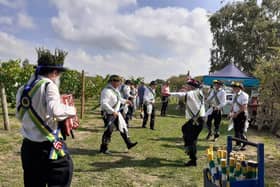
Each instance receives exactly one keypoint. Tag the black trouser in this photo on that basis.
(164, 101)
(217, 116)
(146, 117)
(191, 132)
(239, 126)
(111, 123)
(39, 170)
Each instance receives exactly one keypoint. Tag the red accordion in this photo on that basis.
(72, 122)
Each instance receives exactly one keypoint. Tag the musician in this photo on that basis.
(44, 155)
(216, 101)
(111, 101)
(239, 112)
(149, 105)
(195, 114)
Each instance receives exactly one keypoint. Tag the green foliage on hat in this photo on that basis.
(46, 58)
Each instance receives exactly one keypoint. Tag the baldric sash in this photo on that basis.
(26, 107)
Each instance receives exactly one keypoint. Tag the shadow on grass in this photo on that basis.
(181, 146)
(90, 130)
(127, 161)
(79, 151)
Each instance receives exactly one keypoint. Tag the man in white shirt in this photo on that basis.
(239, 112)
(44, 155)
(216, 101)
(149, 105)
(125, 91)
(111, 101)
(195, 114)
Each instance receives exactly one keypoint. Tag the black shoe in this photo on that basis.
(132, 145)
(208, 135)
(152, 129)
(243, 148)
(107, 152)
(216, 136)
(143, 126)
(190, 163)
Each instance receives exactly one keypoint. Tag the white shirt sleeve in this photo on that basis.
(222, 99)
(104, 101)
(54, 106)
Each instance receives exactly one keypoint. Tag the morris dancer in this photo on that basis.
(110, 105)
(216, 100)
(149, 105)
(239, 112)
(195, 113)
(45, 159)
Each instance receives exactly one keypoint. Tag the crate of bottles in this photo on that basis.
(231, 169)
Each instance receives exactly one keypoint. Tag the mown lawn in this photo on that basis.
(157, 160)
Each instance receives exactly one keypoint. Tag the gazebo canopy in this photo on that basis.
(231, 73)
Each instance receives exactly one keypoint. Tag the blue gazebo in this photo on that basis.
(231, 73)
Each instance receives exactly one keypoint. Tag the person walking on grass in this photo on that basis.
(141, 90)
(111, 101)
(44, 155)
(195, 115)
(164, 98)
(216, 101)
(149, 105)
(239, 113)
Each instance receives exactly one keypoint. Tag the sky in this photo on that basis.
(154, 39)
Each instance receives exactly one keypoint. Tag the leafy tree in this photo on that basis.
(10, 78)
(71, 83)
(268, 71)
(244, 32)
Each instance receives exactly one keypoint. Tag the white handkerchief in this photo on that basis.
(122, 124)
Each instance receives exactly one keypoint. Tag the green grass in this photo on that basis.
(157, 160)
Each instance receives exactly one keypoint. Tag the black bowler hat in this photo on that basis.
(153, 83)
(194, 83)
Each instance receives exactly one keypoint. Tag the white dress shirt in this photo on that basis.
(125, 91)
(111, 99)
(242, 99)
(194, 102)
(47, 104)
(220, 95)
(149, 95)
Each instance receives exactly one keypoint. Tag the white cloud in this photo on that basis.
(154, 43)
(13, 3)
(25, 21)
(5, 20)
(14, 48)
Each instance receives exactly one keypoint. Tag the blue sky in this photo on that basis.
(147, 38)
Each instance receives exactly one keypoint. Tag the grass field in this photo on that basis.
(157, 160)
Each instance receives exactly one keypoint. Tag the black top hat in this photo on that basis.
(194, 83)
(128, 82)
(153, 83)
(237, 84)
(115, 78)
(47, 60)
(218, 82)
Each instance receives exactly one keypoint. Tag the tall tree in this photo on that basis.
(242, 33)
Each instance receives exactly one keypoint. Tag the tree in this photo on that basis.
(243, 33)
(268, 71)
(10, 77)
(71, 83)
